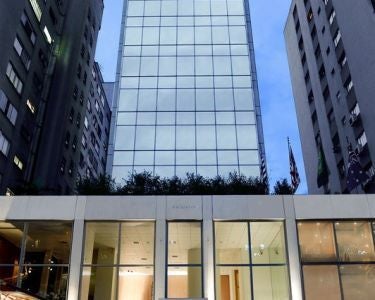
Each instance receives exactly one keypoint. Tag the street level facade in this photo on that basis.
(187, 247)
(332, 68)
(186, 96)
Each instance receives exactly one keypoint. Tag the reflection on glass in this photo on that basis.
(317, 241)
(48, 282)
(267, 243)
(355, 242)
(184, 282)
(233, 283)
(184, 243)
(135, 283)
(48, 243)
(8, 277)
(271, 283)
(98, 283)
(321, 282)
(232, 243)
(358, 281)
(137, 243)
(101, 243)
(10, 242)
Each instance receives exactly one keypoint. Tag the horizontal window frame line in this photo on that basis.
(185, 265)
(117, 266)
(337, 263)
(252, 265)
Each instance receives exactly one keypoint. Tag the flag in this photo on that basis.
(356, 176)
(323, 171)
(263, 171)
(294, 175)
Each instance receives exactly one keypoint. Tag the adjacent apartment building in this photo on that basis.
(332, 64)
(54, 119)
(186, 96)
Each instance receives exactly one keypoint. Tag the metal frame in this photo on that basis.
(337, 263)
(250, 265)
(167, 265)
(117, 265)
(23, 245)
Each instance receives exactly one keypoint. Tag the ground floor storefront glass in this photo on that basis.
(338, 259)
(251, 261)
(118, 261)
(34, 259)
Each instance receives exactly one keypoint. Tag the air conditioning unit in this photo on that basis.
(353, 119)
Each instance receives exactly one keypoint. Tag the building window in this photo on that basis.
(342, 60)
(28, 28)
(17, 161)
(35, 258)
(348, 85)
(337, 258)
(184, 260)
(31, 106)
(3, 101)
(14, 78)
(118, 256)
(47, 35)
(22, 53)
(36, 8)
(332, 16)
(4, 144)
(12, 114)
(249, 256)
(337, 37)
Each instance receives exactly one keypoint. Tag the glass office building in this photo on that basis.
(187, 98)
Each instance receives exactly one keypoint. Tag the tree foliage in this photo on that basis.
(147, 184)
(282, 187)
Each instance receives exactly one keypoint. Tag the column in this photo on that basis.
(77, 246)
(160, 249)
(292, 246)
(208, 250)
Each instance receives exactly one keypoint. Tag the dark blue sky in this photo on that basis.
(279, 118)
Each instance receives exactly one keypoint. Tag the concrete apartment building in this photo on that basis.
(186, 96)
(332, 64)
(47, 79)
(187, 247)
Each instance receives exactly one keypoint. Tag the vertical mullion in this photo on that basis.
(201, 262)
(166, 260)
(338, 259)
(117, 268)
(250, 261)
(23, 252)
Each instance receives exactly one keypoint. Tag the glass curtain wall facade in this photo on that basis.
(186, 98)
(338, 259)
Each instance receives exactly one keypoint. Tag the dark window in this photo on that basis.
(28, 28)
(52, 16)
(79, 71)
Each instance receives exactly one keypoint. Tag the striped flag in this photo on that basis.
(294, 175)
(263, 171)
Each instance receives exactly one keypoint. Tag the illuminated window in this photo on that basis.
(47, 35)
(36, 8)
(18, 162)
(337, 259)
(30, 105)
(251, 260)
(118, 255)
(184, 272)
